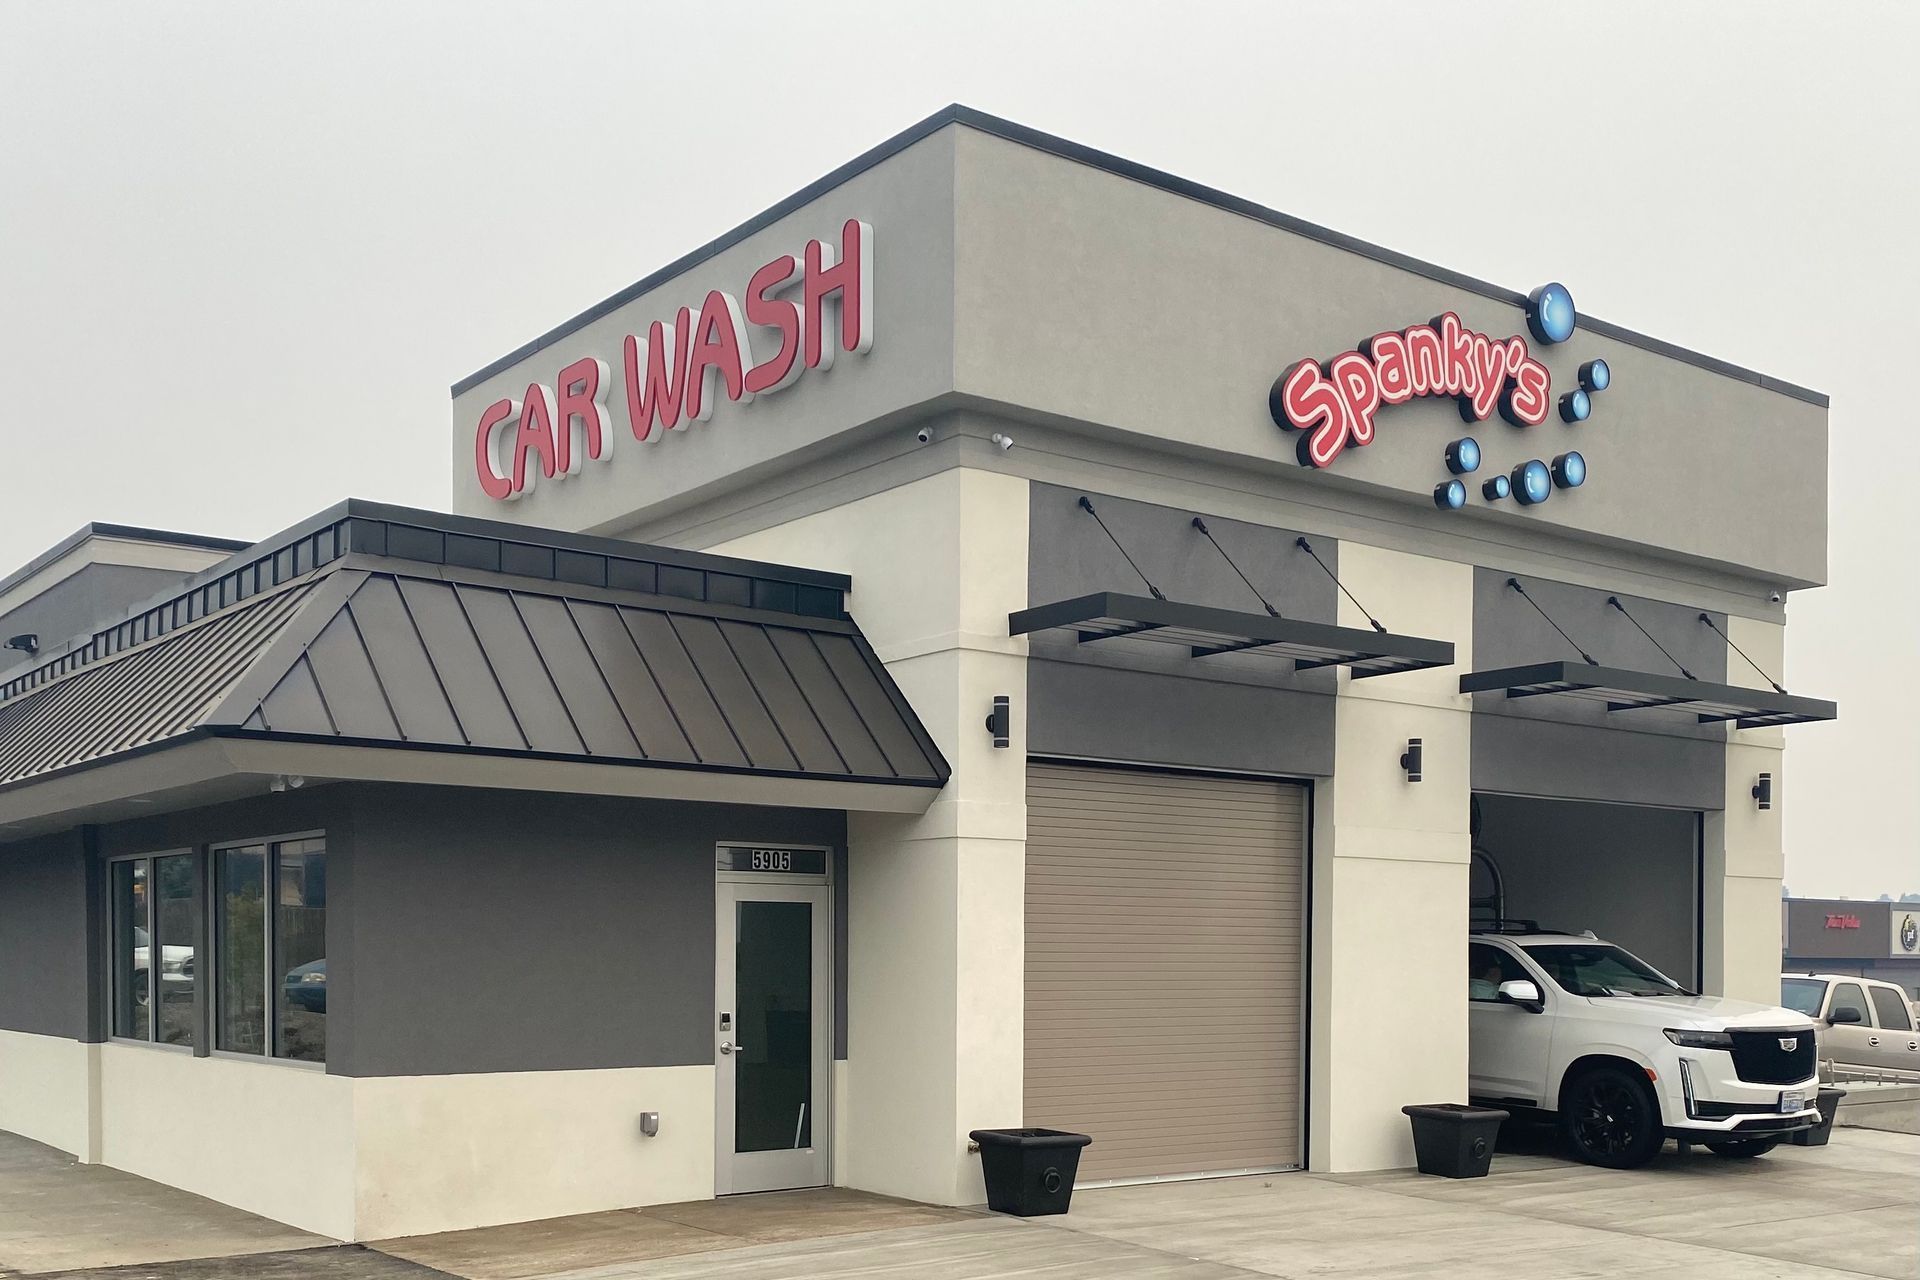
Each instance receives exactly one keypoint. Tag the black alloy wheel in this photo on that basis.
(1611, 1118)
(1744, 1148)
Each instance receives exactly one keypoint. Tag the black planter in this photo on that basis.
(1454, 1141)
(1029, 1172)
(1828, 1102)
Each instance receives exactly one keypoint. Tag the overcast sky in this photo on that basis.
(257, 242)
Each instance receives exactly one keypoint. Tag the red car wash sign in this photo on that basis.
(797, 312)
(1335, 404)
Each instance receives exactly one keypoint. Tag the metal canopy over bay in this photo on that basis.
(1624, 690)
(1209, 632)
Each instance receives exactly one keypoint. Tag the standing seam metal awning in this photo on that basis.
(370, 651)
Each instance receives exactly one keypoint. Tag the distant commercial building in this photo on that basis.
(1837, 935)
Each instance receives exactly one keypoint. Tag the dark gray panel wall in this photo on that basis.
(1628, 873)
(1576, 748)
(44, 937)
(82, 603)
(1135, 701)
(498, 931)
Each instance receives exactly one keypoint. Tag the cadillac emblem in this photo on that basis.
(1789, 1043)
(1910, 934)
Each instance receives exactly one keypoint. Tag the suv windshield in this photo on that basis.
(1597, 969)
(1802, 995)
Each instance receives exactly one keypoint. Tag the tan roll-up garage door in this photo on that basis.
(1166, 970)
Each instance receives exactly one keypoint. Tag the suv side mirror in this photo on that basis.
(1840, 1017)
(1523, 993)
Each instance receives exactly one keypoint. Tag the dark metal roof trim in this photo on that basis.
(1624, 690)
(1068, 150)
(430, 537)
(1208, 632)
(125, 532)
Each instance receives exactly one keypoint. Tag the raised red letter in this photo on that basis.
(580, 426)
(848, 274)
(719, 346)
(655, 394)
(495, 420)
(775, 313)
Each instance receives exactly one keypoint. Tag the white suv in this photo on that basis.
(1568, 1024)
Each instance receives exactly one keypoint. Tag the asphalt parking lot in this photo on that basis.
(1848, 1209)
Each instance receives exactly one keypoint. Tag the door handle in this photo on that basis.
(1873, 1042)
(727, 1046)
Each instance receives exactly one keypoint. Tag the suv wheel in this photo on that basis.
(1611, 1118)
(1746, 1149)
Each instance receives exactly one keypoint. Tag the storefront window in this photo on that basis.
(271, 949)
(131, 992)
(300, 951)
(175, 934)
(240, 957)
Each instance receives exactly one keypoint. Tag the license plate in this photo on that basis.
(1790, 1103)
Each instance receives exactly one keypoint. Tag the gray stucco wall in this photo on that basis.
(81, 603)
(496, 931)
(467, 930)
(1136, 701)
(1576, 748)
(45, 937)
(1629, 873)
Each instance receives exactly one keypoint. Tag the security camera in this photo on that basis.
(1774, 597)
(923, 435)
(1002, 441)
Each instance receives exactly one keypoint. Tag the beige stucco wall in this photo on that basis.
(1745, 858)
(1389, 899)
(936, 902)
(46, 1090)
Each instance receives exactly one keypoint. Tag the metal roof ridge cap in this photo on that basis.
(296, 633)
(591, 544)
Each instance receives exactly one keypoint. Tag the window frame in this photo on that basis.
(150, 923)
(1867, 1015)
(1513, 960)
(270, 882)
(1875, 991)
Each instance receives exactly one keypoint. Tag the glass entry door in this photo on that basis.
(773, 994)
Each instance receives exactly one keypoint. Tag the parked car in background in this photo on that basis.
(1624, 1056)
(306, 986)
(1860, 1022)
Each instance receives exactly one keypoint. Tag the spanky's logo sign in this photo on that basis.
(1334, 404)
(795, 312)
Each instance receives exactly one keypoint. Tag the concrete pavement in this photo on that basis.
(1849, 1209)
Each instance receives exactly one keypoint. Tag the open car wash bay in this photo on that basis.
(862, 695)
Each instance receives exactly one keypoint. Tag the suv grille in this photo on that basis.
(1759, 1059)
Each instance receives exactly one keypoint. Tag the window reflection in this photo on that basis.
(173, 916)
(132, 950)
(240, 958)
(300, 951)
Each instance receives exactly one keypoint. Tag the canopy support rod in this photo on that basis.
(1515, 584)
(1708, 619)
(1207, 533)
(1086, 505)
(1307, 547)
(1615, 602)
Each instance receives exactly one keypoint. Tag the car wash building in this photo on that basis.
(1004, 636)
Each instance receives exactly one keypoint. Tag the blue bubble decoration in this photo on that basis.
(1550, 313)
(1463, 455)
(1450, 496)
(1570, 470)
(1532, 482)
(1594, 375)
(1496, 488)
(1576, 406)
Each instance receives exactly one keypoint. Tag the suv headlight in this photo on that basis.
(1701, 1039)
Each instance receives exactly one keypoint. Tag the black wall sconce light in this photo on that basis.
(26, 642)
(1410, 759)
(1763, 792)
(1000, 721)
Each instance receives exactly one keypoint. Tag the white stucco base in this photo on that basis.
(442, 1153)
(367, 1159)
(46, 1088)
(270, 1138)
